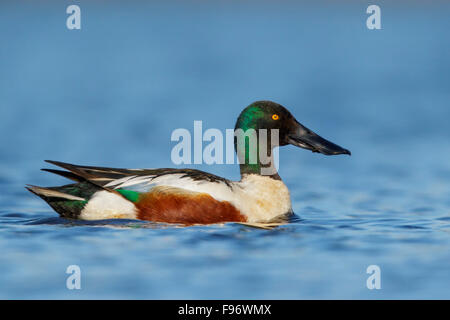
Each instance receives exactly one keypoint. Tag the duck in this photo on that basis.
(190, 196)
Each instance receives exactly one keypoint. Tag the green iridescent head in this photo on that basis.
(281, 128)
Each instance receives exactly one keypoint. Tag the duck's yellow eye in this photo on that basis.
(275, 117)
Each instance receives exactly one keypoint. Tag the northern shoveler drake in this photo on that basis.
(187, 196)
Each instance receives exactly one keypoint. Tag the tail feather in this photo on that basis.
(51, 193)
(79, 171)
(65, 174)
(69, 200)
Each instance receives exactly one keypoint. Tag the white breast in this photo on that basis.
(262, 198)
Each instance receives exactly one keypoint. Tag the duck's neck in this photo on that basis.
(259, 169)
(254, 157)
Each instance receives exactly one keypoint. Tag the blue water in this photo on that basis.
(111, 94)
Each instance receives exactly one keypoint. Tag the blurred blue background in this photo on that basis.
(111, 94)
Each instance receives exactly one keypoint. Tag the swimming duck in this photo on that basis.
(188, 196)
